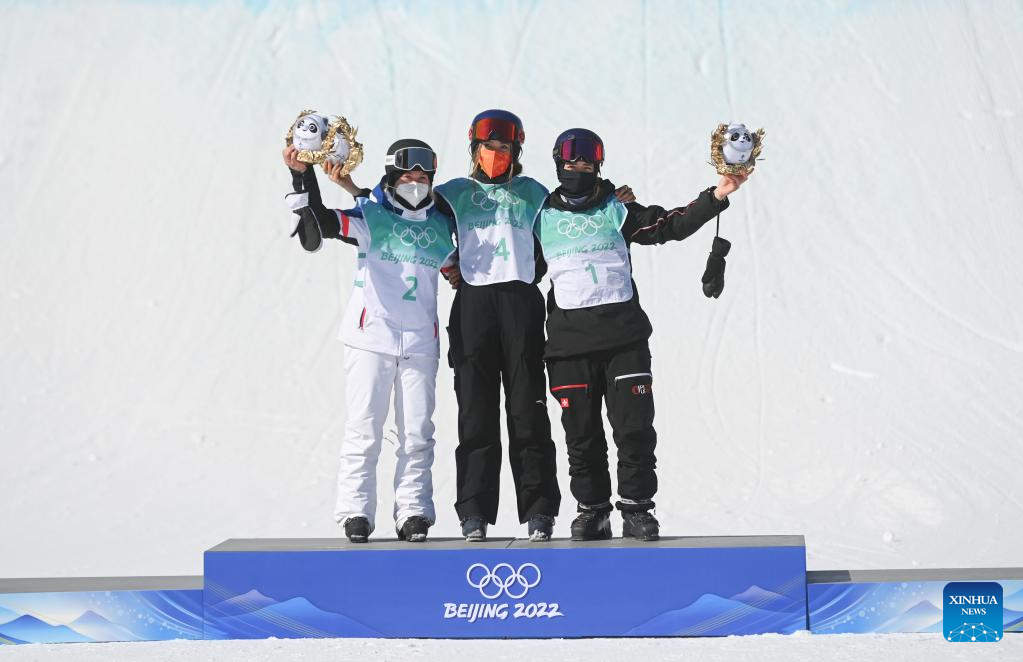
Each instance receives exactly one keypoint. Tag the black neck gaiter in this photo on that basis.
(577, 184)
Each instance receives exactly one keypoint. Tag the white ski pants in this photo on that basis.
(370, 377)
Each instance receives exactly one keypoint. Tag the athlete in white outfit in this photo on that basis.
(389, 329)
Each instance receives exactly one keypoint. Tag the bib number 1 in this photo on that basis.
(410, 295)
(593, 271)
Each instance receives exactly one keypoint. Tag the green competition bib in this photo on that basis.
(587, 256)
(402, 264)
(495, 228)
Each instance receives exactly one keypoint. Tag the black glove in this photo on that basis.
(714, 275)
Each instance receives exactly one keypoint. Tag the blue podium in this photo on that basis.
(872, 601)
(693, 586)
(95, 609)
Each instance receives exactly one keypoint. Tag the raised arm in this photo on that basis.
(315, 220)
(656, 225)
(333, 170)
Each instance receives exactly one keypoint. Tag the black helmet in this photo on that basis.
(409, 154)
(578, 144)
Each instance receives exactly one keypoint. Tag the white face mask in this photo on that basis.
(413, 192)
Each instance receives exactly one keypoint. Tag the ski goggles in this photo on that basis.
(410, 158)
(580, 148)
(490, 128)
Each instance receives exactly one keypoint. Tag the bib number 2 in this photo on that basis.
(410, 294)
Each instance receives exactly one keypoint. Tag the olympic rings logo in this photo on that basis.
(503, 579)
(574, 227)
(497, 198)
(410, 236)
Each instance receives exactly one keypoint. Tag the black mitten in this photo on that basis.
(308, 230)
(714, 275)
(308, 226)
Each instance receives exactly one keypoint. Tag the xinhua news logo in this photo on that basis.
(972, 611)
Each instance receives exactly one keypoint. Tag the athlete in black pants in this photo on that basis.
(496, 333)
(597, 348)
(496, 336)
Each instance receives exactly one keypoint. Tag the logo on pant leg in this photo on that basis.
(562, 399)
(642, 389)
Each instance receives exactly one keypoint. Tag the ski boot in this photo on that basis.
(540, 528)
(474, 528)
(591, 524)
(641, 525)
(357, 529)
(414, 529)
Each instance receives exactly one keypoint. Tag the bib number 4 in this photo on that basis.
(501, 250)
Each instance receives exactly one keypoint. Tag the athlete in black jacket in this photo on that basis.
(597, 347)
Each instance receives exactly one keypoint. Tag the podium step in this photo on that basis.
(888, 601)
(100, 609)
(695, 586)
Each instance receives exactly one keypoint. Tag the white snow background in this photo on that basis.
(170, 374)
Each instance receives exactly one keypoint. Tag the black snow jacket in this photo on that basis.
(614, 325)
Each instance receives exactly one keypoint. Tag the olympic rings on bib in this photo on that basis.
(483, 201)
(497, 198)
(503, 580)
(412, 236)
(574, 227)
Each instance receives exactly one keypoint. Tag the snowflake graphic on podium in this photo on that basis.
(973, 632)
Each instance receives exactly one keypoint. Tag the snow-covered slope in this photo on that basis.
(764, 648)
(169, 369)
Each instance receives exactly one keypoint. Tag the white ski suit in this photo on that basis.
(391, 344)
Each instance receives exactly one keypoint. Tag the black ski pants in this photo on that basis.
(496, 336)
(620, 377)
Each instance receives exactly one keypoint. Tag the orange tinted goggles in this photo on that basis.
(496, 129)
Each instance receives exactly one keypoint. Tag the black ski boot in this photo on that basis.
(541, 528)
(414, 529)
(357, 529)
(641, 525)
(474, 528)
(592, 525)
